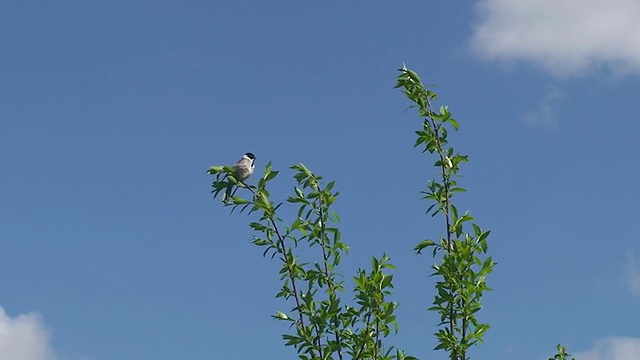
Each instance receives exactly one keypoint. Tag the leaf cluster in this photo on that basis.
(463, 265)
(323, 324)
(324, 321)
(561, 354)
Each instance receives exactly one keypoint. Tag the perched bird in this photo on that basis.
(243, 169)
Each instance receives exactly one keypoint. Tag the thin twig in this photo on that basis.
(282, 249)
(325, 256)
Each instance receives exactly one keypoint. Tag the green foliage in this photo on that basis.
(561, 354)
(323, 324)
(462, 265)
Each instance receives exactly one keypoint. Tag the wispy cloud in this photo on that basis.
(613, 348)
(633, 276)
(545, 115)
(24, 337)
(562, 37)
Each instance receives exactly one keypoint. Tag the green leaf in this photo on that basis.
(239, 200)
(413, 76)
(232, 179)
(281, 316)
(454, 123)
(215, 170)
(271, 175)
(374, 263)
(423, 245)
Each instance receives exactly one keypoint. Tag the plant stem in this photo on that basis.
(325, 257)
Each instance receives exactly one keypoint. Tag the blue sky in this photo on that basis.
(110, 113)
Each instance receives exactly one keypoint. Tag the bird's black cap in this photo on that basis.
(250, 155)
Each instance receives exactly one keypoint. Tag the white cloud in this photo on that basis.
(545, 115)
(564, 37)
(613, 348)
(24, 337)
(634, 277)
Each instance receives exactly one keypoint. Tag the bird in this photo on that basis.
(243, 169)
